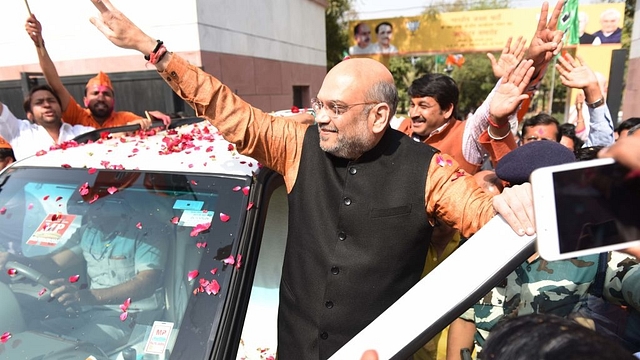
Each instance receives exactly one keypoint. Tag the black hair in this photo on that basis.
(383, 23)
(26, 105)
(7, 153)
(628, 124)
(549, 337)
(438, 86)
(356, 28)
(541, 119)
(569, 130)
(587, 153)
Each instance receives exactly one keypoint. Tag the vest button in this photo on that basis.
(328, 304)
(342, 236)
(324, 335)
(335, 270)
(347, 201)
(353, 170)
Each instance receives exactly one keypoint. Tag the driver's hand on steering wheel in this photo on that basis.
(68, 293)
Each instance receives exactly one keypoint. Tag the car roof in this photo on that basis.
(196, 147)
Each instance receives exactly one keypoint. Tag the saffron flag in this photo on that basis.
(568, 22)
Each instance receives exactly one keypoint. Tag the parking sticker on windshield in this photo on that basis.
(188, 205)
(159, 337)
(192, 218)
(51, 230)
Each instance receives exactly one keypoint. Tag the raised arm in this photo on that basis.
(575, 73)
(34, 30)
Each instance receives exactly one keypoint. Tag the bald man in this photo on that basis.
(359, 192)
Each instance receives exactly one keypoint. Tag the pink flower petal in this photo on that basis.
(213, 288)
(124, 316)
(95, 198)
(40, 153)
(440, 160)
(224, 217)
(45, 198)
(5, 337)
(127, 302)
(230, 147)
(192, 274)
(12, 272)
(42, 291)
(193, 182)
(201, 245)
(245, 190)
(3, 210)
(74, 278)
(457, 175)
(238, 261)
(229, 261)
(236, 188)
(84, 189)
(214, 271)
(139, 225)
(200, 228)
(175, 220)
(30, 206)
(66, 166)
(92, 170)
(59, 198)
(112, 190)
(250, 205)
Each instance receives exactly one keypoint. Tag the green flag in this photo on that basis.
(568, 22)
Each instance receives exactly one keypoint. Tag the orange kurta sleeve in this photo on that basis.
(454, 196)
(275, 142)
(497, 148)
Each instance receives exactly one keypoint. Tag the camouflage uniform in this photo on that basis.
(557, 287)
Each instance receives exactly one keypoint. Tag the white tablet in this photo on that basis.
(586, 207)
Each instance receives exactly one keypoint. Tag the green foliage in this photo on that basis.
(475, 80)
(337, 31)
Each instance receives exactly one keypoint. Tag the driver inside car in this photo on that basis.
(124, 260)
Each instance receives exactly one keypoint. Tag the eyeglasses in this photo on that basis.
(334, 109)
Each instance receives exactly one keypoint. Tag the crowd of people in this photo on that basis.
(400, 199)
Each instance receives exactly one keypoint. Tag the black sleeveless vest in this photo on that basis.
(357, 241)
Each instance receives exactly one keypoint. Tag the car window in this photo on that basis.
(119, 224)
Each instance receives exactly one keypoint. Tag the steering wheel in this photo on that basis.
(41, 279)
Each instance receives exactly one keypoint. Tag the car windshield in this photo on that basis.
(139, 262)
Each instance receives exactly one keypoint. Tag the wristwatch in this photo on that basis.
(596, 103)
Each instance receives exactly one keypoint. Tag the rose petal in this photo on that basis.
(224, 217)
(245, 190)
(92, 170)
(95, 198)
(236, 188)
(175, 220)
(3, 210)
(59, 198)
(201, 245)
(112, 190)
(66, 166)
(214, 271)
(124, 316)
(250, 205)
(74, 278)
(229, 261)
(200, 228)
(45, 198)
(139, 225)
(193, 182)
(192, 274)
(5, 337)
(238, 261)
(12, 272)
(230, 147)
(127, 302)
(440, 160)
(213, 288)
(30, 206)
(42, 291)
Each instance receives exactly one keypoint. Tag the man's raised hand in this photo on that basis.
(119, 29)
(510, 57)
